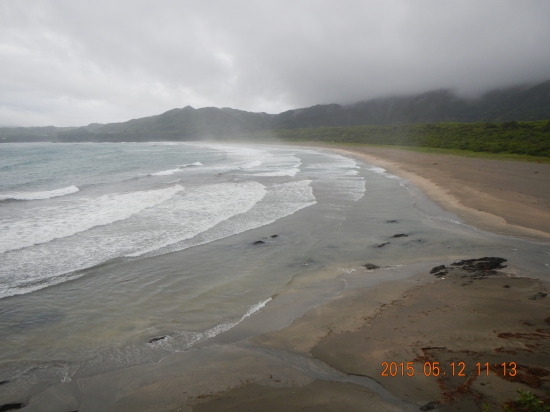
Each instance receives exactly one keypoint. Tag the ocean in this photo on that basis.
(117, 255)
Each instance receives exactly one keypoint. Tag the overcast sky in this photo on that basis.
(74, 62)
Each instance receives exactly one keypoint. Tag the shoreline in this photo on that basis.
(464, 319)
(320, 361)
(502, 197)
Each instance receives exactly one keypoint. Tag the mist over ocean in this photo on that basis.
(117, 255)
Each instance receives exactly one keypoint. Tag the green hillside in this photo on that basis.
(530, 138)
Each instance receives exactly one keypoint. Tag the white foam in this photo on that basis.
(192, 164)
(377, 170)
(346, 271)
(192, 338)
(239, 157)
(201, 210)
(251, 165)
(291, 172)
(224, 327)
(178, 169)
(280, 165)
(280, 200)
(40, 195)
(41, 225)
(382, 172)
(173, 218)
(166, 172)
(340, 174)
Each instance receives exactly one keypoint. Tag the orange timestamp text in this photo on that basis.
(452, 369)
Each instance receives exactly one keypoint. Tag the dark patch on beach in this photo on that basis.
(4, 382)
(371, 266)
(392, 221)
(527, 336)
(273, 236)
(539, 295)
(430, 406)
(476, 269)
(258, 242)
(528, 375)
(400, 235)
(11, 406)
(484, 263)
(158, 338)
(383, 244)
(437, 269)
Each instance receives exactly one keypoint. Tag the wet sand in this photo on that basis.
(472, 327)
(504, 197)
(331, 358)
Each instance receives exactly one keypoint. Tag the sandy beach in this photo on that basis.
(455, 337)
(485, 321)
(505, 197)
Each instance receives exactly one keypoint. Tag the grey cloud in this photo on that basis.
(72, 63)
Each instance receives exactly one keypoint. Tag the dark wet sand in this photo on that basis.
(501, 318)
(456, 319)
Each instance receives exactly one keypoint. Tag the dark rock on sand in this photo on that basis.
(370, 266)
(258, 242)
(157, 339)
(484, 263)
(274, 236)
(11, 406)
(539, 295)
(506, 286)
(3, 382)
(391, 221)
(400, 235)
(383, 244)
(477, 269)
(437, 269)
(429, 406)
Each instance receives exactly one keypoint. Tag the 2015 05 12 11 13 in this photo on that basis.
(392, 369)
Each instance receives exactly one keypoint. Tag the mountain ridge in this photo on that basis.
(518, 103)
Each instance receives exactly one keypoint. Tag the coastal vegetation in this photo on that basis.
(514, 138)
